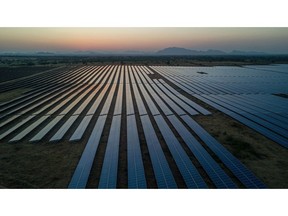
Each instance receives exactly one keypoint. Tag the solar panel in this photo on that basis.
(189, 172)
(76, 101)
(63, 130)
(160, 103)
(98, 100)
(87, 101)
(240, 104)
(177, 109)
(151, 105)
(82, 171)
(238, 169)
(160, 165)
(118, 105)
(129, 102)
(99, 75)
(142, 74)
(108, 177)
(149, 102)
(29, 129)
(48, 88)
(242, 93)
(136, 174)
(108, 100)
(171, 103)
(186, 100)
(77, 135)
(249, 117)
(24, 100)
(214, 171)
(46, 129)
(146, 70)
(12, 118)
(139, 102)
(228, 104)
(6, 133)
(52, 101)
(135, 72)
(282, 141)
(67, 100)
(27, 105)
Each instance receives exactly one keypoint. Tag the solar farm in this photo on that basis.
(137, 126)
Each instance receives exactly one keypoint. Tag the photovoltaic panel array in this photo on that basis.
(85, 104)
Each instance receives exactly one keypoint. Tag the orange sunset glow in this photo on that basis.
(273, 40)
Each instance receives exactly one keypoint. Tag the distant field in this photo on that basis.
(213, 60)
(119, 126)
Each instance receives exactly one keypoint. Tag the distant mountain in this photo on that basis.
(183, 51)
(173, 51)
(136, 52)
(215, 52)
(45, 53)
(86, 52)
(176, 51)
(112, 53)
(238, 52)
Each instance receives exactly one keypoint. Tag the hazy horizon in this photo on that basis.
(268, 40)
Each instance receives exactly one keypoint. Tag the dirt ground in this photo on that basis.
(30, 165)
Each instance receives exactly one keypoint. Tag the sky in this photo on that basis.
(270, 40)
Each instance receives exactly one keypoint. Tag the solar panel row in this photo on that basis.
(82, 171)
(175, 152)
(256, 111)
(86, 98)
(136, 174)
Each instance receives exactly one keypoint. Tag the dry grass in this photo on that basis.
(32, 165)
(265, 158)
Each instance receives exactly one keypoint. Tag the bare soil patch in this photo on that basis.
(265, 158)
(31, 165)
